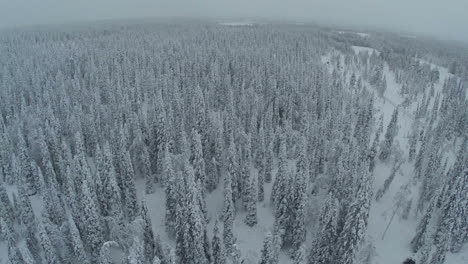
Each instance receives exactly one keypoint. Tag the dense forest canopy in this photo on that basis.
(297, 121)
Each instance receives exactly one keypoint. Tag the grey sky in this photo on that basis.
(443, 18)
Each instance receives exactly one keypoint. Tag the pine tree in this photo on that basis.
(251, 218)
(375, 144)
(78, 248)
(146, 170)
(300, 255)
(111, 194)
(171, 197)
(268, 163)
(54, 206)
(267, 250)
(260, 186)
(129, 190)
(14, 255)
(148, 234)
(355, 226)
(26, 213)
(26, 255)
(137, 252)
(419, 239)
(219, 255)
(279, 186)
(323, 247)
(228, 214)
(49, 251)
(91, 220)
(389, 136)
(6, 208)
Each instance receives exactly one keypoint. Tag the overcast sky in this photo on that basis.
(442, 18)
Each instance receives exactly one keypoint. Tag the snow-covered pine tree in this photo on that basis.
(26, 214)
(91, 221)
(146, 170)
(267, 250)
(228, 214)
(111, 193)
(171, 196)
(48, 250)
(129, 190)
(148, 235)
(137, 252)
(268, 162)
(356, 224)
(6, 208)
(251, 217)
(219, 254)
(390, 134)
(323, 247)
(78, 248)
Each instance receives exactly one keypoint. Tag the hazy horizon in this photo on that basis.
(446, 20)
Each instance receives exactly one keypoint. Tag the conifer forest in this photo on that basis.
(207, 143)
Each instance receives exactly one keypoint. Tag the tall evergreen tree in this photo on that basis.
(390, 134)
(251, 218)
(219, 254)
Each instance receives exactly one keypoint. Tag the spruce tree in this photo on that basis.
(148, 235)
(129, 190)
(49, 251)
(78, 248)
(251, 217)
(219, 254)
(91, 221)
(390, 134)
(228, 214)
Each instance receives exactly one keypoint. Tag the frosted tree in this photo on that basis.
(267, 249)
(251, 217)
(300, 255)
(26, 214)
(261, 186)
(137, 252)
(279, 186)
(14, 255)
(26, 255)
(190, 221)
(6, 209)
(219, 254)
(419, 239)
(78, 248)
(48, 250)
(268, 163)
(228, 214)
(355, 225)
(148, 235)
(146, 170)
(323, 247)
(111, 194)
(91, 220)
(197, 160)
(171, 196)
(54, 206)
(390, 134)
(129, 190)
(374, 147)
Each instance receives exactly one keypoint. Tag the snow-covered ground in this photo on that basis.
(237, 24)
(363, 35)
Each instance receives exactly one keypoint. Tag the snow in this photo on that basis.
(363, 35)
(358, 49)
(237, 24)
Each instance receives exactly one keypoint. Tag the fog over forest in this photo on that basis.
(444, 19)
